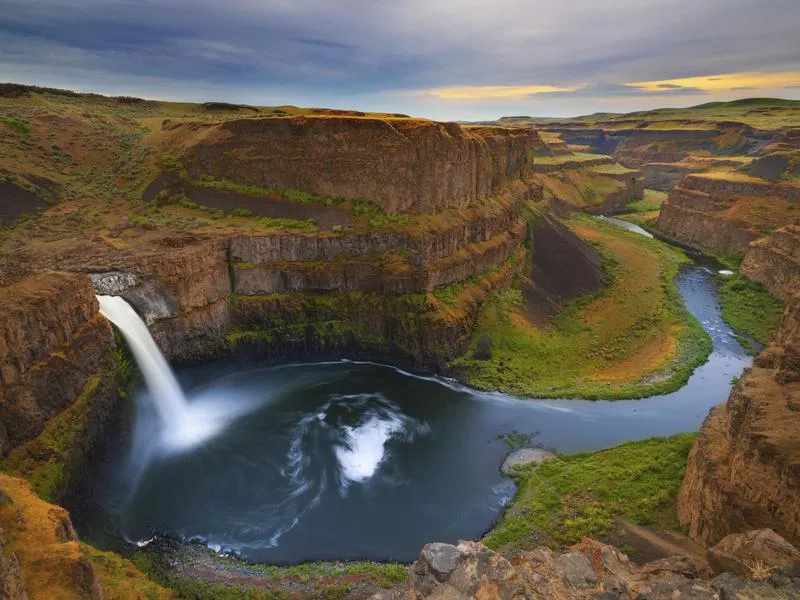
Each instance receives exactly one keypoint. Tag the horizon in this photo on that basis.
(45, 88)
(459, 60)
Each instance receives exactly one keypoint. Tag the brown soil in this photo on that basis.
(651, 544)
(16, 201)
(564, 267)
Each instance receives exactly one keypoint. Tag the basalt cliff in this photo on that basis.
(744, 470)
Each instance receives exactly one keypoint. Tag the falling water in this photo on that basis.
(183, 424)
(170, 401)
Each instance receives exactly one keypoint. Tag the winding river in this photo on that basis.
(344, 460)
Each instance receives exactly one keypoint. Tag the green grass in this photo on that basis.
(15, 125)
(612, 169)
(280, 224)
(559, 159)
(651, 201)
(120, 578)
(376, 215)
(577, 354)
(580, 495)
(293, 195)
(750, 309)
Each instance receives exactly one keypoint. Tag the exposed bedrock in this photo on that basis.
(53, 344)
(188, 295)
(591, 570)
(589, 190)
(403, 165)
(664, 142)
(775, 261)
(743, 471)
(725, 215)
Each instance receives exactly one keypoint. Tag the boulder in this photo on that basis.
(468, 570)
(525, 456)
(754, 554)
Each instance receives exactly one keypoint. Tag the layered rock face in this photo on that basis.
(724, 215)
(53, 342)
(594, 571)
(588, 186)
(402, 165)
(351, 293)
(41, 557)
(775, 261)
(743, 472)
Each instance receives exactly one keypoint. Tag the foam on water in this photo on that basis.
(184, 425)
(363, 449)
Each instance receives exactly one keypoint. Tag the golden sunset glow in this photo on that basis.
(494, 91)
(724, 82)
(707, 83)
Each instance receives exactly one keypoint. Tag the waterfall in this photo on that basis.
(183, 424)
(169, 399)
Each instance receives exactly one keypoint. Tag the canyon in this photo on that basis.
(256, 235)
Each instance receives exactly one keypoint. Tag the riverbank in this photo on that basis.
(634, 339)
(564, 500)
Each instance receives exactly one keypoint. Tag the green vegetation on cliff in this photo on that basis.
(651, 201)
(634, 339)
(50, 461)
(750, 310)
(578, 495)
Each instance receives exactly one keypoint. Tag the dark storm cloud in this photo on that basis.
(343, 49)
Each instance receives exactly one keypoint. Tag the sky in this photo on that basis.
(442, 59)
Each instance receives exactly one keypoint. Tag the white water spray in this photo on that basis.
(184, 424)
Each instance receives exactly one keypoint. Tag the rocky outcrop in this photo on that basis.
(775, 261)
(199, 299)
(745, 553)
(596, 571)
(592, 190)
(41, 557)
(742, 472)
(402, 165)
(724, 215)
(52, 343)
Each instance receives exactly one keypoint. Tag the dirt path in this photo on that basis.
(667, 543)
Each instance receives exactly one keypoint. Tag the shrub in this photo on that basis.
(242, 212)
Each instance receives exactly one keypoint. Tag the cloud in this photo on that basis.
(795, 86)
(343, 52)
(613, 90)
(743, 87)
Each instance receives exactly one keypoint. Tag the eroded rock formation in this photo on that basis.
(725, 213)
(53, 348)
(775, 261)
(768, 568)
(402, 164)
(743, 472)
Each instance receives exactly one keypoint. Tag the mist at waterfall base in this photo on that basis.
(344, 460)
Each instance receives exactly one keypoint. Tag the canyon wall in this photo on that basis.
(743, 471)
(775, 261)
(53, 343)
(723, 214)
(402, 165)
(362, 294)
